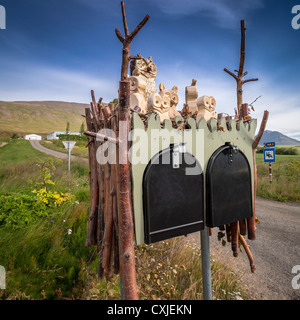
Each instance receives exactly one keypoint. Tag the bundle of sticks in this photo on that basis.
(103, 215)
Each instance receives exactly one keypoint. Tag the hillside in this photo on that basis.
(40, 117)
(278, 138)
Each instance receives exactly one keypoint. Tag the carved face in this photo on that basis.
(158, 103)
(172, 94)
(212, 104)
(143, 66)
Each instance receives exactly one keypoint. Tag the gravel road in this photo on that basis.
(275, 251)
(36, 145)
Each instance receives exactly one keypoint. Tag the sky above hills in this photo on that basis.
(60, 50)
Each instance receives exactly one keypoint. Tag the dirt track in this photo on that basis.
(276, 250)
(36, 145)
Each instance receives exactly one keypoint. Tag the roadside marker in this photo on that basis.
(69, 146)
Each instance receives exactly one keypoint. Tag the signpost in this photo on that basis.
(69, 146)
(269, 156)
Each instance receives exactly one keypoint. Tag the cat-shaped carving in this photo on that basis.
(172, 94)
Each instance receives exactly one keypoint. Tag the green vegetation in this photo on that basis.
(17, 151)
(45, 255)
(285, 184)
(72, 137)
(40, 117)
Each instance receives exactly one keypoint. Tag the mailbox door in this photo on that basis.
(228, 187)
(173, 200)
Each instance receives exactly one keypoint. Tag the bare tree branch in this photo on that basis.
(124, 19)
(230, 73)
(249, 80)
(119, 35)
(138, 28)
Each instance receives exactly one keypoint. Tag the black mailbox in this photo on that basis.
(228, 187)
(173, 197)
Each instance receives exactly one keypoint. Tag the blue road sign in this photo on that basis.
(269, 154)
(269, 144)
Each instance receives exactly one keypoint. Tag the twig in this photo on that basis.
(102, 137)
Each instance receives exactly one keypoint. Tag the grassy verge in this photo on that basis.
(47, 258)
(79, 149)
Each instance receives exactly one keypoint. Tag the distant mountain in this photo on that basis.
(40, 117)
(278, 138)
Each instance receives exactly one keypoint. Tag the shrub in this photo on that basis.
(72, 137)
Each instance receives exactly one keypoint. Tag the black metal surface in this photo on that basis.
(228, 187)
(173, 201)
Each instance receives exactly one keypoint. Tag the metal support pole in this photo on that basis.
(69, 159)
(206, 271)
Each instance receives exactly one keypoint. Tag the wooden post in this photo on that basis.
(240, 73)
(125, 214)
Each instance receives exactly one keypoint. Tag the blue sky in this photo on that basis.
(61, 49)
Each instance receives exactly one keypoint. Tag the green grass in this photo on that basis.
(17, 151)
(40, 117)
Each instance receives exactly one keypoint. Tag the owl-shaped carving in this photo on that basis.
(172, 94)
(160, 105)
(137, 93)
(206, 108)
(147, 70)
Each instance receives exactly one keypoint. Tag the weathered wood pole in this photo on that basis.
(125, 214)
(240, 73)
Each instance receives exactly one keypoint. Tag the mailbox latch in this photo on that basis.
(177, 149)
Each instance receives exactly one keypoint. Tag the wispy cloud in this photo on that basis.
(223, 13)
(36, 82)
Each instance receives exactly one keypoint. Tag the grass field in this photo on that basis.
(46, 258)
(39, 117)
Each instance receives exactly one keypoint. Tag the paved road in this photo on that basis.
(36, 145)
(276, 250)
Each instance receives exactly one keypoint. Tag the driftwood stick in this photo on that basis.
(230, 73)
(94, 189)
(126, 41)
(125, 219)
(240, 72)
(261, 129)
(124, 19)
(101, 137)
(248, 252)
(251, 221)
(234, 238)
(249, 80)
(242, 51)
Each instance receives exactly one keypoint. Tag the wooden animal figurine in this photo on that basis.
(160, 105)
(206, 108)
(172, 94)
(191, 95)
